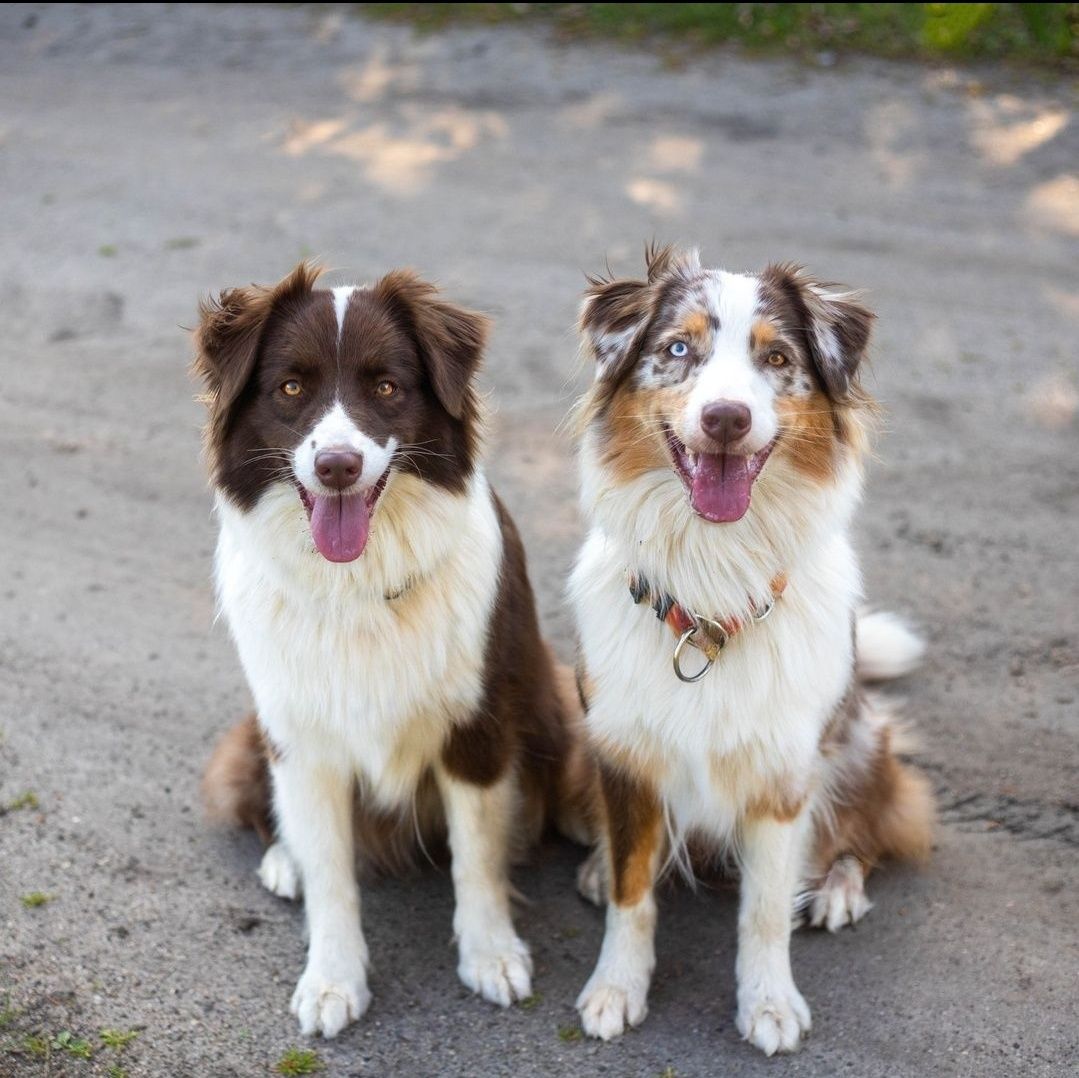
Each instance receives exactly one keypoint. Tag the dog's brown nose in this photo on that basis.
(726, 421)
(338, 468)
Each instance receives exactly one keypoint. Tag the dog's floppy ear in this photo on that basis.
(230, 329)
(450, 339)
(616, 314)
(837, 327)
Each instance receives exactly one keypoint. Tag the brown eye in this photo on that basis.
(292, 388)
(386, 389)
(777, 359)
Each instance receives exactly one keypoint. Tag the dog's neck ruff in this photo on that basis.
(707, 634)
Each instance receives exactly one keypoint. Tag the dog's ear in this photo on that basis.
(450, 339)
(836, 325)
(230, 330)
(616, 314)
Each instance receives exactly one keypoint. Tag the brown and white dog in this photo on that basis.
(721, 462)
(376, 590)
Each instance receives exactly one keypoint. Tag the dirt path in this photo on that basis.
(148, 154)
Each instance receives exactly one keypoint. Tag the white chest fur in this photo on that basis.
(338, 669)
(757, 716)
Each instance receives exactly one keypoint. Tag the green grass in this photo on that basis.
(298, 1061)
(35, 899)
(569, 1034)
(117, 1039)
(27, 800)
(79, 1047)
(1042, 34)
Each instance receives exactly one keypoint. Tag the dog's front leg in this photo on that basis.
(616, 995)
(313, 800)
(494, 962)
(771, 1011)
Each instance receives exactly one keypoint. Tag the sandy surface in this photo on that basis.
(148, 155)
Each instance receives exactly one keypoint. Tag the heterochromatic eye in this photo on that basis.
(679, 349)
(385, 389)
(292, 388)
(777, 359)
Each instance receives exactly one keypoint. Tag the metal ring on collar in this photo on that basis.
(765, 612)
(687, 638)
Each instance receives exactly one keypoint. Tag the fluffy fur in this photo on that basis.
(403, 692)
(776, 755)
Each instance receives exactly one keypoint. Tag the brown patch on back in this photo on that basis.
(634, 820)
(761, 335)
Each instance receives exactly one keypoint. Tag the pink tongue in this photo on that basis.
(339, 526)
(721, 485)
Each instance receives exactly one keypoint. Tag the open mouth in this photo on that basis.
(341, 523)
(719, 484)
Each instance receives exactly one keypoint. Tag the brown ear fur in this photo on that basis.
(837, 328)
(228, 336)
(450, 339)
(616, 314)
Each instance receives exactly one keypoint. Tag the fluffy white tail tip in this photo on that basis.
(886, 646)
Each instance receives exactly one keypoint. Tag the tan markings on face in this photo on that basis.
(696, 325)
(634, 419)
(808, 435)
(761, 335)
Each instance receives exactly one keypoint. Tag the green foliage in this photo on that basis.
(299, 1061)
(570, 1033)
(117, 1039)
(66, 1041)
(35, 899)
(26, 800)
(1032, 33)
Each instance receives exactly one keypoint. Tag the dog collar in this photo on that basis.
(707, 635)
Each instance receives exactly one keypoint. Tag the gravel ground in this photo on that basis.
(148, 154)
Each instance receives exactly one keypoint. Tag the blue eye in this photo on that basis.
(679, 349)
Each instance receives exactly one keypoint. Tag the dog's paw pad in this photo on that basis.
(607, 1010)
(841, 899)
(590, 879)
(775, 1022)
(326, 1005)
(501, 974)
(279, 874)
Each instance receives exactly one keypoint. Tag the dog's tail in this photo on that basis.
(886, 647)
(236, 783)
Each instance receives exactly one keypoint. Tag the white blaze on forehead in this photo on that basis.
(729, 372)
(335, 430)
(341, 295)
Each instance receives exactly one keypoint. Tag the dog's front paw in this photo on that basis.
(841, 899)
(497, 967)
(775, 1020)
(608, 1008)
(280, 875)
(325, 1001)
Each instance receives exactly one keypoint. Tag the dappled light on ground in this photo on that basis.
(1054, 205)
(399, 156)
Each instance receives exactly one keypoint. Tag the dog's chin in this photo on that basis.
(341, 523)
(719, 485)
